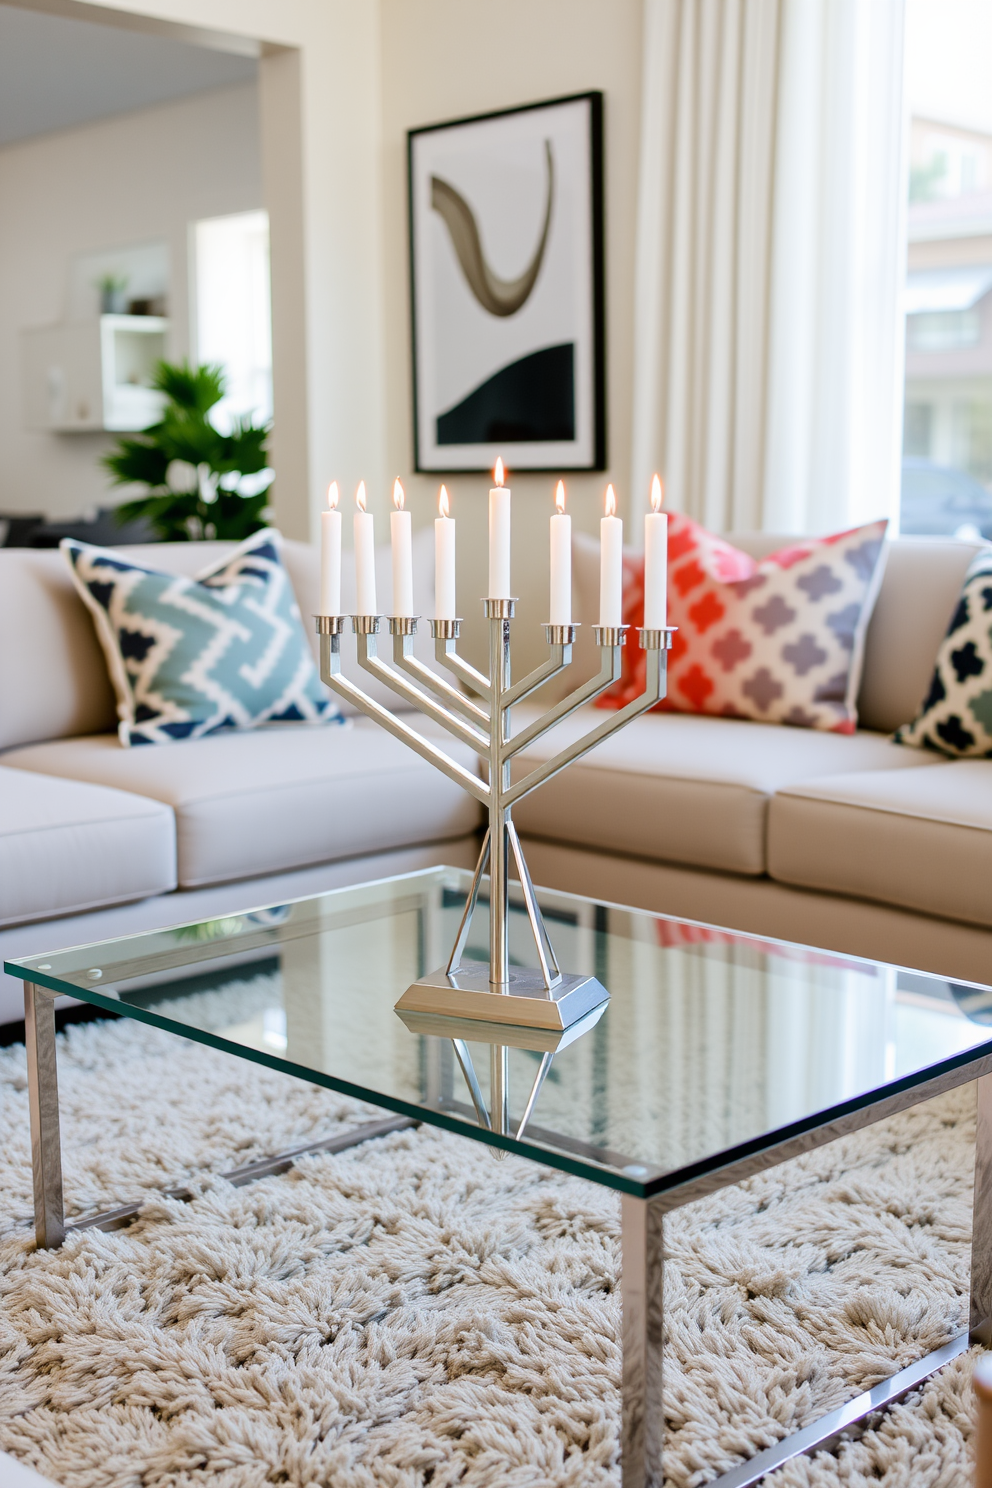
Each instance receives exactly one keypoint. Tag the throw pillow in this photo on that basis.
(780, 640)
(956, 716)
(190, 656)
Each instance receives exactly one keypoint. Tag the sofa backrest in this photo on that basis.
(916, 599)
(53, 678)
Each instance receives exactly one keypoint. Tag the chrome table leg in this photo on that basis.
(43, 1099)
(642, 1431)
(981, 1238)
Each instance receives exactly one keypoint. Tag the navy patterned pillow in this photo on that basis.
(956, 717)
(190, 656)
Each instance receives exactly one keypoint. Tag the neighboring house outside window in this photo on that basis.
(947, 416)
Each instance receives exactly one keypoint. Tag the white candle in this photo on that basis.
(656, 561)
(330, 554)
(611, 564)
(561, 562)
(499, 537)
(444, 561)
(401, 536)
(364, 556)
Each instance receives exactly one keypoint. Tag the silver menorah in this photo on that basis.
(477, 712)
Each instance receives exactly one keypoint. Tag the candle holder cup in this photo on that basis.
(476, 709)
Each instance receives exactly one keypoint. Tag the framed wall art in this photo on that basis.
(506, 269)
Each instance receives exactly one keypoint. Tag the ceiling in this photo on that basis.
(57, 73)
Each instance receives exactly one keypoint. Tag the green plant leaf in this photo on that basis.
(136, 460)
(195, 389)
(184, 432)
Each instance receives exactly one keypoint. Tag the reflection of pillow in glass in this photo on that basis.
(780, 640)
(190, 656)
(956, 716)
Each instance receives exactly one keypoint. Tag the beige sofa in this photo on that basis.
(848, 842)
(97, 840)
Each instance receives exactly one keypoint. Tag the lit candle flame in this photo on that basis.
(498, 472)
(611, 502)
(399, 495)
(442, 502)
(560, 496)
(332, 495)
(360, 496)
(657, 493)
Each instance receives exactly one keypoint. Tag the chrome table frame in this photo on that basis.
(643, 1246)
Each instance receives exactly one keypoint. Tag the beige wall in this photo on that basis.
(132, 179)
(443, 59)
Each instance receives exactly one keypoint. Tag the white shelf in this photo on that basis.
(92, 375)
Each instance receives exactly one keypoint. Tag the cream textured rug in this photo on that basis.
(411, 1312)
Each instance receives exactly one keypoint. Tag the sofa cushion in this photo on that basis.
(919, 838)
(277, 798)
(66, 847)
(683, 788)
(920, 585)
(778, 640)
(302, 563)
(956, 717)
(191, 656)
(54, 682)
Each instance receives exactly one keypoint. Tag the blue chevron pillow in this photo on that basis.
(190, 656)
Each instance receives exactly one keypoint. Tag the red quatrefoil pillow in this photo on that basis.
(780, 640)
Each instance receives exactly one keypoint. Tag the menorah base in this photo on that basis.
(528, 1003)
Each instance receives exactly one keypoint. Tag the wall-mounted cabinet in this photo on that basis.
(93, 374)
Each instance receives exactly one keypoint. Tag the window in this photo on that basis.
(947, 418)
(942, 330)
(917, 429)
(232, 316)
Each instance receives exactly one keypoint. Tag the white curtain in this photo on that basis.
(767, 343)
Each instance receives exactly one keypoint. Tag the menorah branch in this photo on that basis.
(560, 658)
(369, 660)
(404, 658)
(444, 650)
(332, 676)
(654, 690)
(609, 672)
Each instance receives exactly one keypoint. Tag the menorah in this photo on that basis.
(477, 712)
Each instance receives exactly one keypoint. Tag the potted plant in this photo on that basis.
(199, 482)
(111, 287)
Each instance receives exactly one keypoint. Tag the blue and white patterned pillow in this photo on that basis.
(956, 716)
(190, 656)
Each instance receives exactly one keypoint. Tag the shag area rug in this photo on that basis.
(411, 1312)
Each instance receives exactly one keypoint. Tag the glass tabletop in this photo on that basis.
(714, 1045)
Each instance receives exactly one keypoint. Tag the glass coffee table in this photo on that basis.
(717, 1056)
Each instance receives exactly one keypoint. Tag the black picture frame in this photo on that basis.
(480, 372)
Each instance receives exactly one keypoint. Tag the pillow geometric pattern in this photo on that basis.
(956, 716)
(190, 656)
(780, 640)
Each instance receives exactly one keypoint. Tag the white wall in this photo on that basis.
(443, 59)
(127, 180)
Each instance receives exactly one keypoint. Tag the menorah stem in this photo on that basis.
(499, 613)
(499, 1088)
